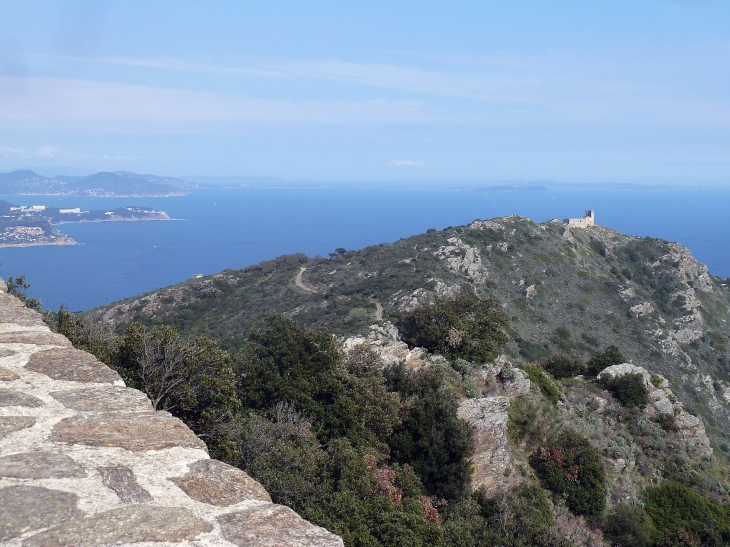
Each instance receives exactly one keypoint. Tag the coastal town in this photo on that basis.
(32, 225)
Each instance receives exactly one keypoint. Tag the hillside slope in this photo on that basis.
(566, 290)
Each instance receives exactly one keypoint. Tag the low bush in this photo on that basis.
(544, 381)
(521, 517)
(678, 511)
(564, 366)
(431, 437)
(629, 526)
(667, 422)
(570, 467)
(602, 359)
(457, 327)
(629, 389)
(531, 421)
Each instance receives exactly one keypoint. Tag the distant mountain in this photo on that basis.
(118, 183)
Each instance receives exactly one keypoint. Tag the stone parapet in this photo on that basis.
(86, 461)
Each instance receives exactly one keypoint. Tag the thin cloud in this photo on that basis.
(50, 152)
(81, 105)
(406, 163)
(551, 89)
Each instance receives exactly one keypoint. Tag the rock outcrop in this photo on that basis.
(494, 467)
(86, 461)
(663, 401)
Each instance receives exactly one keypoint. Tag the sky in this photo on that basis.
(574, 91)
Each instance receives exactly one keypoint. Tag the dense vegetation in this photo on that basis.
(628, 389)
(457, 327)
(569, 466)
(378, 454)
(366, 452)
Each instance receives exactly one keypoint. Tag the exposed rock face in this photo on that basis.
(492, 458)
(85, 461)
(385, 341)
(461, 257)
(663, 401)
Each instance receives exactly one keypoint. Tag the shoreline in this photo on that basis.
(114, 220)
(69, 242)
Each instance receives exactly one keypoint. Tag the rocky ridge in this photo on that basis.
(86, 461)
(566, 290)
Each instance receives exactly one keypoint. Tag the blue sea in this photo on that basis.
(232, 228)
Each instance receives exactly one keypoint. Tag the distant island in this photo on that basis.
(26, 226)
(104, 184)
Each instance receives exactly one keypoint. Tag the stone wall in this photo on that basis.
(85, 461)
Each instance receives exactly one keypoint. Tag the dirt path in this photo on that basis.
(300, 282)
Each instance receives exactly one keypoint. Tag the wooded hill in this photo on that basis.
(570, 291)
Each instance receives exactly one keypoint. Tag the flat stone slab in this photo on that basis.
(216, 483)
(20, 316)
(104, 398)
(121, 479)
(39, 338)
(136, 431)
(272, 525)
(7, 375)
(29, 508)
(40, 465)
(131, 524)
(11, 424)
(10, 397)
(10, 301)
(72, 365)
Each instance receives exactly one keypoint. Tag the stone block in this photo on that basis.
(131, 524)
(11, 424)
(269, 525)
(10, 397)
(103, 398)
(29, 508)
(72, 365)
(121, 479)
(216, 483)
(39, 338)
(40, 465)
(135, 431)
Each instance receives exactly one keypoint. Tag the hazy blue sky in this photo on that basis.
(575, 91)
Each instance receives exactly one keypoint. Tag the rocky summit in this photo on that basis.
(86, 461)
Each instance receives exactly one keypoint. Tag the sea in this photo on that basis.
(223, 228)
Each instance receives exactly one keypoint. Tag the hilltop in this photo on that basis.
(118, 183)
(567, 290)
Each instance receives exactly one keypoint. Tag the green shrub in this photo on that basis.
(284, 361)
(667, 422)
(432, 438)
(628, 526)
(570, 467)
(521, 517)
(564, 366)
(629, 389)
(606, 358)
(674, 508)
(192, 379)
(544, 381)
(530, 420)
(457, 327)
